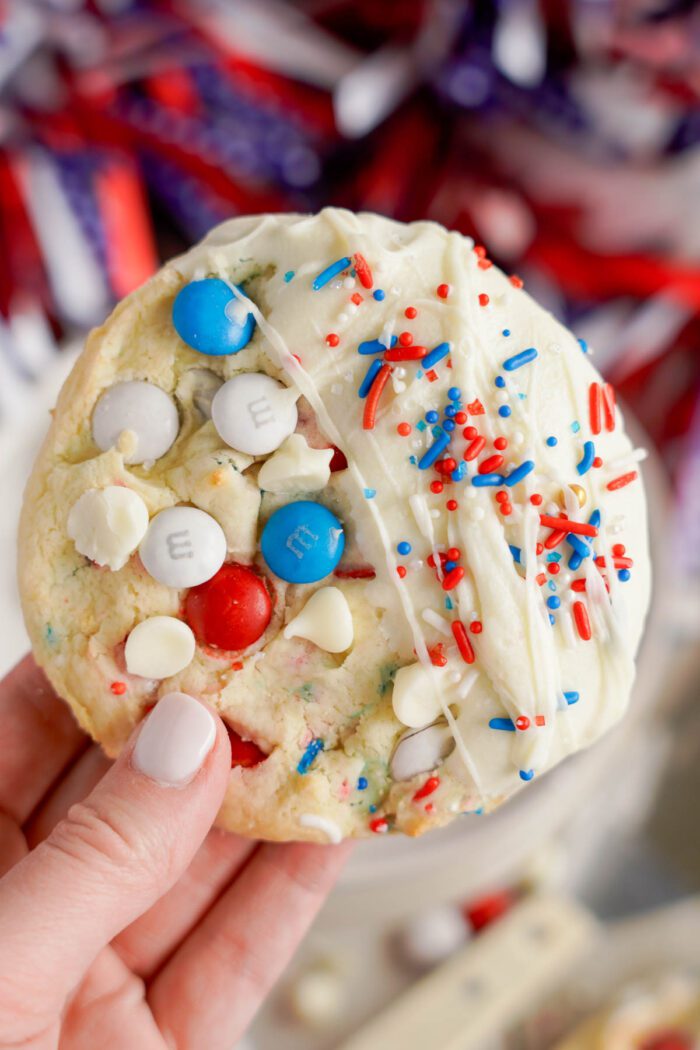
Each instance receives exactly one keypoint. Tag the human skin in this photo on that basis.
(126, 919)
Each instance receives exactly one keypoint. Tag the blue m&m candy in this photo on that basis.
(302, 542)
(210, 318)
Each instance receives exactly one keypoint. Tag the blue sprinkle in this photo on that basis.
(421, 425)
(527, 774)
(554, 556)
(312, 750)
(579, 544)
(575, 426)
(500, 382)
(288, 276)
(375, 346)
(522, 397)
(552, 441)
(624, 575)
(436, 431)
(504, 411)
(438, 446)
(370, 493)
(362, 783)
(552, 585)
(372, 808)
(450, 411)
(586, 461)
(553, 602)
(505, 724)
(454, 393)
(571, 698)
(449, 424)
(518, 473)
(584, 345)
(484, 480)
(506, 331)
(594, 519)
(517, 554)
(379, 294)
(432, 416)
(404, 547)
(329, 273)
(435, 355)
(459, 472)
(575, 561)
(366, 384)
(419, 374)
(413, 460)
(450, 565)
(518, 360)
(448, 603)
(552, 619)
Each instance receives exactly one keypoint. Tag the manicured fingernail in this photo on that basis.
(176, 738)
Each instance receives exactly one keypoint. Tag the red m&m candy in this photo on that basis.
(231, 610)
(244, 752)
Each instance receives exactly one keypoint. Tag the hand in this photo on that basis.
(124, 920)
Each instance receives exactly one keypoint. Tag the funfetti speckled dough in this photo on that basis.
(479, 546)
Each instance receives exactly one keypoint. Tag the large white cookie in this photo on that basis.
(532, 623)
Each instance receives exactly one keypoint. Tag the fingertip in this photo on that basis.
(180, 736)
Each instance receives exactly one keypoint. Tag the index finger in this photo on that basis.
(40, 737)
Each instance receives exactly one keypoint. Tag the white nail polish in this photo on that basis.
(175, 739)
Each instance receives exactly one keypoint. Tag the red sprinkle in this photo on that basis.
(460, 417)
(380, 825)
(539, 547)
(619, 483)
(554, 539)
(338, 460)
(541, 578)
(362, 270)
(406, 353)
(453, 578)
(118, 688)
(370, 413)
(363, 572)
(594, 407)
(404, 429)
(446, 466)
(476, 627)
(410, 312)
(436, 487)
(506, 509)
(501, 444)
(442, 557)
(356, 298)
(609, 406)
(539, 720)
(516, 281)
(443, 290)
(437, 655)
(522, 723)
(581, 528)
(469, 433)
(406, 339)
(332, 339)
(536, 499)
(431, 784)
(583, 624)
(476, 408)
(618, 549)
(618, 561)
(597, 462)
(401, 571)
(237, 665)
(431, 376)
(490, 465)
(501, 497)
(452, 504)
(480, 251)
(484, 264)
(483, 299)
(477, 445)
(578, 585)
(462, 639)
(553, 567)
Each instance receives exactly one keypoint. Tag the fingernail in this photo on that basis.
(175, 739)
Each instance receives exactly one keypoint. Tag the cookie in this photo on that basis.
(346, 481)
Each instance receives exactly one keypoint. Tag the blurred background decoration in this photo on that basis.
(564, 135)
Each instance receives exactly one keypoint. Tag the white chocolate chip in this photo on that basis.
(416, 696)
(295, 467)
(159, 647)
(325, 620)
(421, 750)
(108, 524)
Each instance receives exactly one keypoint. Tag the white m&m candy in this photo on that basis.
(159, 647)
(142, 408)
(183, 547)
(108, 524)
(253, 413)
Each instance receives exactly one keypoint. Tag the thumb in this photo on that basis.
(113, 855)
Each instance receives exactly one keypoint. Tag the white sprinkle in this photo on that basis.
(415, 565)
(439, 623)
(435, 513)
(349, 282)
